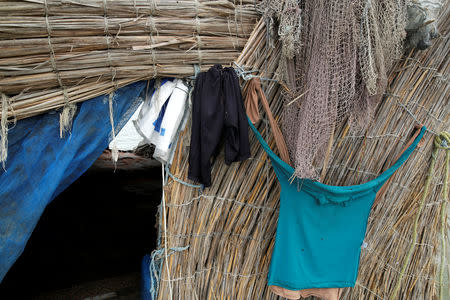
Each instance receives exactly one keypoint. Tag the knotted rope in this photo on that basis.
(155, 268)
(441, 142)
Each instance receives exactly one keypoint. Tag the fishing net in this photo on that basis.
(335, 57)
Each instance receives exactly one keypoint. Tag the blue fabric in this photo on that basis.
(41, 165)
(148, 292)
(145, 278)
(321, 228)
(158, 121)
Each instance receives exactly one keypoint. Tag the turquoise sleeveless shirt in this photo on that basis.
(321, 228)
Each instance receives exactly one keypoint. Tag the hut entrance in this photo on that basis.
(91, 239)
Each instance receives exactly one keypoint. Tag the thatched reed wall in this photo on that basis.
(55, 52)
(230, 227)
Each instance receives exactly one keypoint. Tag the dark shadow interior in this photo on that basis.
(91, 239)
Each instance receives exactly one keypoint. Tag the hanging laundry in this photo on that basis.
(217, 114)
(321, 228)
(151, 110)
(254, 94)
(163, 117)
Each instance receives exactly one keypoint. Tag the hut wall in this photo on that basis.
(230, 226)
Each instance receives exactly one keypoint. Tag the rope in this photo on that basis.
(247, 75)
(236, 22)
(216, 270)
(223, 200)
(199, 51)
(195, 186)
(136, 9)
(154, 284)
(107, 37)
(197, 28)
(369, 290)
(197, 71)
(441, 141)
(114, 148)
(224, 235)
(165, 233)
(428, 112)
(152, 5)
(4, 130)
(66, 116)
(157, 256)
(413, 116)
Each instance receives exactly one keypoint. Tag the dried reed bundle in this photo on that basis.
(230, 227)
(53, 52)
(418, 93)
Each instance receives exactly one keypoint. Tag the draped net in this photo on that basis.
(335, 58)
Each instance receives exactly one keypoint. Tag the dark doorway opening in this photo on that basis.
(91, 239)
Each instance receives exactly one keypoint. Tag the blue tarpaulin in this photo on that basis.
(41, 165)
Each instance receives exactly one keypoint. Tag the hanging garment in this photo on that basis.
(152, 112)
(128, 139)
(321, 228)
(255, 93)
(170, 125)
(217, 113)
(162, 117)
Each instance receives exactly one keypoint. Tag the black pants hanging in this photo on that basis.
(217, 114)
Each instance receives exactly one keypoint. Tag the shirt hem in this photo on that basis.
(311, 285)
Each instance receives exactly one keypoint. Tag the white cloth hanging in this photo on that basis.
(145, 123)
(171, 122)
(163, 132)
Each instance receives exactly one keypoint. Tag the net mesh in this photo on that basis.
(335, 57)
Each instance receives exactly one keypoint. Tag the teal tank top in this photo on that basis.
(321, 228)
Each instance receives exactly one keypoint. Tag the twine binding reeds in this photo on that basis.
(69, 109)
(197, 28)
(152, 28)
(114, 148)
(4, 131)
(163, 203)
(155, 267)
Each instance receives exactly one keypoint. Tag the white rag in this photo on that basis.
(170, 125)
(150, 111)
(176, 93)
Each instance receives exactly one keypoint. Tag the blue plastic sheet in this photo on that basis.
(41, 165)
(149, 280)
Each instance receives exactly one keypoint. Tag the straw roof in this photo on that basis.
(229, 228)
(53, 52)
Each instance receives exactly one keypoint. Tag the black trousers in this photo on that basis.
(218, 115)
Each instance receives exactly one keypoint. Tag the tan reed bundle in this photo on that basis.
(230, 227)
(55, 52)
(418, 93)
